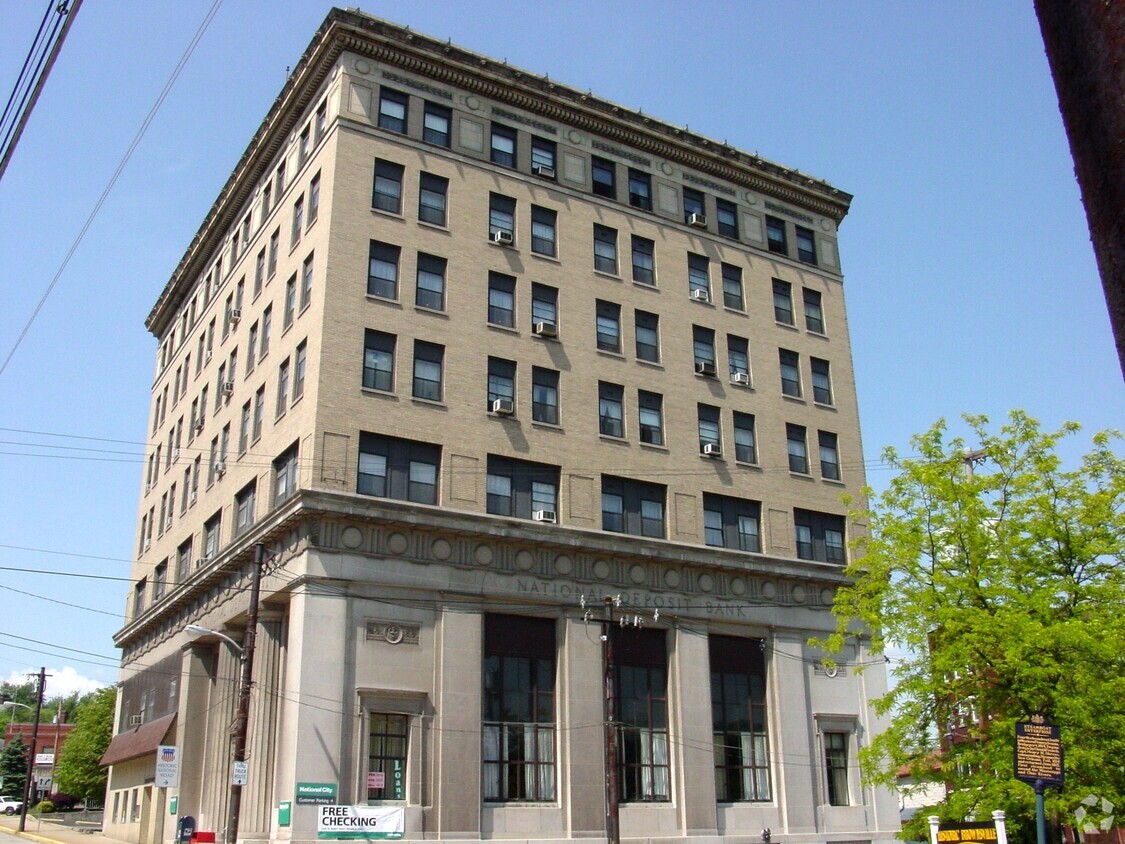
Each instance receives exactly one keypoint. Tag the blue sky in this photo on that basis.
(970, 280)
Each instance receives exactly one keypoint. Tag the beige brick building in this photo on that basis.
(470, 352)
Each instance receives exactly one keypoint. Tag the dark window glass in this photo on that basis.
(392, 110)
(545, 395)
(814, 313)
(745, 448)
(821, 381)
(544, 305)
(694, 211)
(522, 489)
(829, 456)
(820, 536)
(435, 125)
(387, 193)
(641, 697)
(608, 326)
(699, 273)
(501, 381)
(644, 262)
(605, 249)
(640, 189)
(731, 522)
(518, 723)
(732, 287)
(378, 360)
(604, 174)
(543, 230)
(798, 449)
(738, 719)
(430, 292)
(503, 147)
(611, 412)
(775, 235)
(836, 767)
(432, 192)
(806, 245)
(382, 272)
(501, 300)
(428, 361)
(790, 363)
(632, 507)
(387, 741)
(727, 216)
(650, 417)
(647, 332)
(782, 301)
(501, 215)
(285, 475)
(710, 433)
(405, 470)
(738, 358)
(543, 157)
(703, 347)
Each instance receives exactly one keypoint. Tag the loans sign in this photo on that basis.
(360, 822)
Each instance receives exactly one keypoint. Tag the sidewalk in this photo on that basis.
(54, 832)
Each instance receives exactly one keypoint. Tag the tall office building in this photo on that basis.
(470, 352)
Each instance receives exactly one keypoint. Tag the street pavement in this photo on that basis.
(52, 831)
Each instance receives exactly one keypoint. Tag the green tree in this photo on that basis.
(13, 767)
(78, 772)
(1002, 576)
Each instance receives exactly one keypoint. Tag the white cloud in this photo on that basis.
(61, 682)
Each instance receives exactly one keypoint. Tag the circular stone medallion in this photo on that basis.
(351, 537)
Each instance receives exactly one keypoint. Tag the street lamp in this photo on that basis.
(246, 656)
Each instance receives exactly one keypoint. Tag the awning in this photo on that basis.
(138, 741)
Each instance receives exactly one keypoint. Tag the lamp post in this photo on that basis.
(246, 656)
(31, 750)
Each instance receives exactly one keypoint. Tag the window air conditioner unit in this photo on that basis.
(503, 407)
(543, 171)
(207, 356)
(546, 329)
(199, 426)
(191, 498)
(705, 367)
(235, 314)
(202, 561)
(712, 450)
(701, 294)
(148, 544)
(544, 516)
(136, 720)
(228, 388)
(220, 468)
(168, 522)
(504, 238)
(740, 378)
(698, 220)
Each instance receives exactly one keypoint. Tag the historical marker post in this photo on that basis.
(1039, 763)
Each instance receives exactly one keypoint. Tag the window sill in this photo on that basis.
(544, 256)
(804, 476)
(374, 297)
(788, 326)
(738, 311)
(382, 212)
(645, 285)
(439, 312)
(655, 364)
(434, 226)
(824, 405)
(439, 404)
(748, 465)
(819, 334)
(507, 329)
(374, 391)
(607, 274)
(794, 399)
(549, 426)
(834, 482)
(611, 354)
(654, 447)
(610, 438)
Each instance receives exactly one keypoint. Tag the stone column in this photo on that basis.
(457, 797)
(791, 718)
(581, 719)
(258, 800)
(690, 695)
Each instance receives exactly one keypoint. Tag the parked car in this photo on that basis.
(10, 805)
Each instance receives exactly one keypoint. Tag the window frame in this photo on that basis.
(605, 249)
(501, 155)
(606, 186)
(431, 295)
(434, 136)
(545, 398)
(796, 439)
(386, 187)
(378, 349)
(641, 247)
(388, 255)
(429, 186)
(544, 231)
(429, 356)
(388, 120)
(611, 397)
(501, 285)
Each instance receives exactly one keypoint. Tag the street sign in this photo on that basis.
(239, 772)
(983, 832)
(1038, 753)
(167, 766)
(319, 793)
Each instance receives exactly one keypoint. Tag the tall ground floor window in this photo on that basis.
(641, 698)
(518, 729)
(738, 719)
(387, 741)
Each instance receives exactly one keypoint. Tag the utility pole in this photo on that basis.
(241, 721)
(612, 806)
(31, 750)
(972, 457)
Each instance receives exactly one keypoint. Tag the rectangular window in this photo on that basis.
(382, 272)
(430, 292)
(283, 387)
(604, 177)
(503, 146)
(267, 325)
(321, 121)
(299, 369)
(290, 310)
(393, 110)
(806, 245)
(608, 321)
(378, 360)
(387, 191)
(543, 230)
(298, 221)
(259, 412)
(775, 235)
(267, 203)
(212, 528)
(644, 261)
(518, 718)
(544, 309)
(633, 507)
(814, 313)
(306, 281)
(650, 417)
(436, 121)
(501, 300)
(790, 363)
(731, 522)
(726, 214)
(183, 562)
(244, 429)
(304, 143)
(543, 155)
(314, 200)
(244, 509)
(699, 277)
(821, 381)
(703, 347)
(829, 455)
(732, 287)
(695, 213)
(522, 489)
(285, 475)
(605, 249)
(738, 359)
(611, 411)
(501, 384)
(820, 536)
(544, 395)
(259, 272)
(738, 719)
(710, 433)
(782, 302)
(432, 193)
(275, 245)
(798, 448)
(388, 738)
(647, 332)
(641, 697)
(640, 189)
(428, 362)
(401, 469)
(501, 218)
(836, 767)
